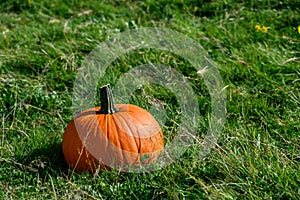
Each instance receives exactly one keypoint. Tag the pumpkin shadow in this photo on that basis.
(46, 160)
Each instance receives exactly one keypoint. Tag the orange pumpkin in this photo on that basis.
(119, 136)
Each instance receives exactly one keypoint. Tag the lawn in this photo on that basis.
(255, 46)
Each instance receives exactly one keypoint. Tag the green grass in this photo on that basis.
(43, 43)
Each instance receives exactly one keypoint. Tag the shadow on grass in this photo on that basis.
(47, 160)
(15, 6)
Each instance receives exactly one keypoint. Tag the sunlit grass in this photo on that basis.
(254, 45)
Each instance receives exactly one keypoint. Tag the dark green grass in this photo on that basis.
(43, 43)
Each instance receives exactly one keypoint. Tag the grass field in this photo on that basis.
(43, 44)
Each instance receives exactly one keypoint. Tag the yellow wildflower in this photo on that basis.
(257, 27)
(264, 29)
(299, 29)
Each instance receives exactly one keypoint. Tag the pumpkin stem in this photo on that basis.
(107, 101)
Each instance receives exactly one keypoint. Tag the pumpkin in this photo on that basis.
(119, 136)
